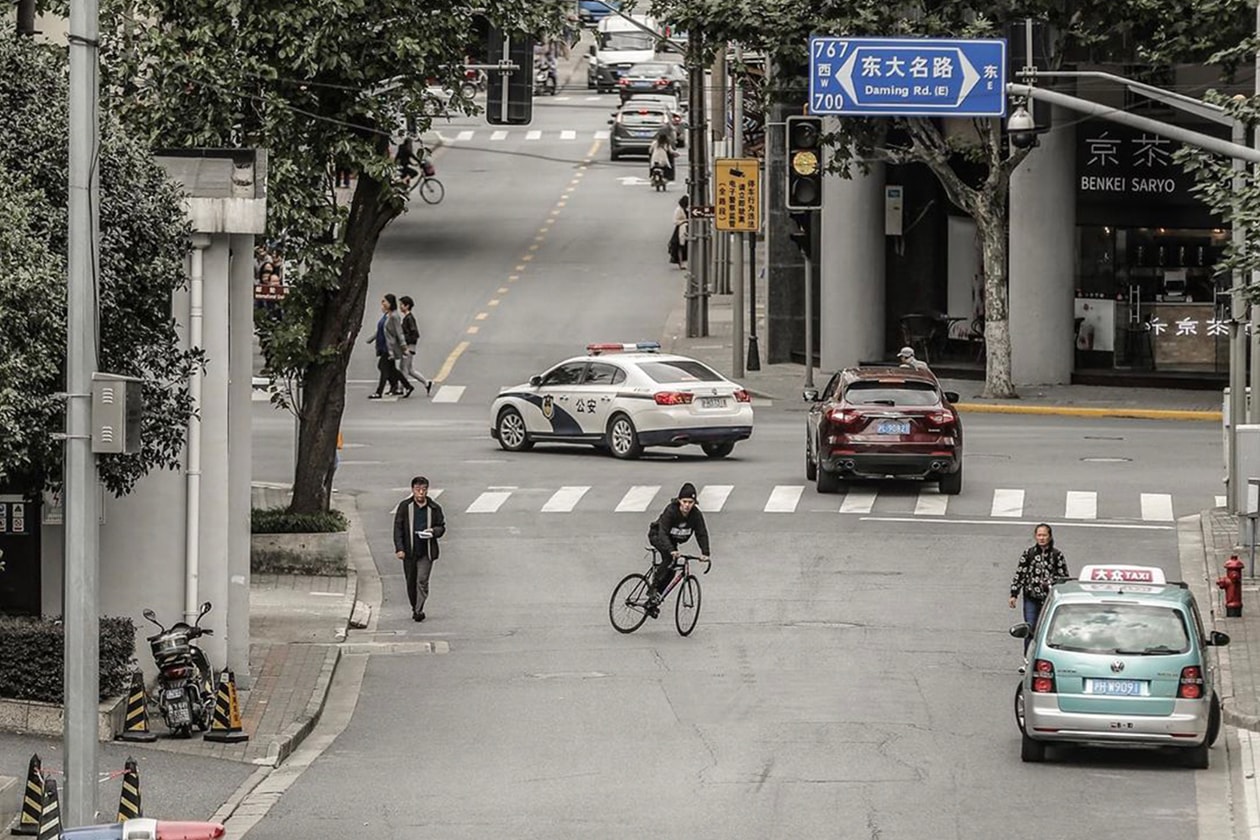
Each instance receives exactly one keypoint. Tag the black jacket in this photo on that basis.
(671, 529)
(408, 519)
(411, 333)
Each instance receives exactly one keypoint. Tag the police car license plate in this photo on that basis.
(893, 428)
(1115, 688)
(713, 402)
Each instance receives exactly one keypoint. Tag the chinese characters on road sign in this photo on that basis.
(736, 186)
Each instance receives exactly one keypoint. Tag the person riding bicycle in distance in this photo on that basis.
(678, 521)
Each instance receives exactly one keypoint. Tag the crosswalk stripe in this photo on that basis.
(464, 136)
(713, 496)
(1220, 501)
(449, 393)
(564, 499)
(1081, 504)
(602, 134)
(594, 98)
(434, 492)
(489, 501)
(1008, 503)
(1157, 507)
(638, 498)
(533, 135)
(784, 498)
(858, 500)
(561, 98)
(498, 135)
(568, 135)
(931, 501)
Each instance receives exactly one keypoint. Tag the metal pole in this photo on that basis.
(809, 315)
(754, 357)
(505, 79)
(1253, 404)
(737, 239)
(26, 18)
(80, 607)
(1237, 349)
(698, 192)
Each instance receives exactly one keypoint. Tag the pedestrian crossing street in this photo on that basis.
(923, 501)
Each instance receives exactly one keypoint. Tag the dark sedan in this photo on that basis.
(653, 77)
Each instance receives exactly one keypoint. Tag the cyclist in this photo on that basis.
(677, 522)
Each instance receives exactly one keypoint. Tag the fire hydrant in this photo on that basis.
(1232, 584)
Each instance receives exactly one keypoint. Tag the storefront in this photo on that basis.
(1149, 295)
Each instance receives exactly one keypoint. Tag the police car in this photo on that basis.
(622, 398)
(1119, 657)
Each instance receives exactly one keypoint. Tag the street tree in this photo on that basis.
(322, 87)
(971, 158)
(143, 240)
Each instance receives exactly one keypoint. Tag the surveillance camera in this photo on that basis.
(1022, 128)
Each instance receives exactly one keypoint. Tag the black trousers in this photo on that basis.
(416, 570)
(662, 572)
(389, 375)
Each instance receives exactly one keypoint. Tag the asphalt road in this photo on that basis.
(851, 675)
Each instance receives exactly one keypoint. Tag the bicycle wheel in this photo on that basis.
(687, 607)
(625, 609)
(431, 190)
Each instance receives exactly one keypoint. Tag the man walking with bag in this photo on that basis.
(418, 525)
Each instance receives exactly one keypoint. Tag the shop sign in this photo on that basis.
(1119, 164)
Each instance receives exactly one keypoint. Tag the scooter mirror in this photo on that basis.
(150, 615)
(205, 608)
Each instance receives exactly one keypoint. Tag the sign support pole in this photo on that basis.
(735, 79)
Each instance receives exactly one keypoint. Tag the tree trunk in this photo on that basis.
(991, 224)
(334, 330)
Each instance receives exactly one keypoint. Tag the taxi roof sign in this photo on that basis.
(1120, 573)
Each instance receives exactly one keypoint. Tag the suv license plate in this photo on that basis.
(1115, 688)
(713, 402)
(893, 428)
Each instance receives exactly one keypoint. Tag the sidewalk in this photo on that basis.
(1240, 659)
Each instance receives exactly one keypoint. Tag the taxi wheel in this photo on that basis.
(1214, 719)
(623, 439)
(1198, 758)
(1029, 750)
(512, 434)
(717, 450)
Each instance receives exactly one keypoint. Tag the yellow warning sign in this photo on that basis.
(737, 190)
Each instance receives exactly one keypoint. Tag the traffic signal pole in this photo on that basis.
(698, 193)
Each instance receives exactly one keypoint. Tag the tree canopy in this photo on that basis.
(143, 242)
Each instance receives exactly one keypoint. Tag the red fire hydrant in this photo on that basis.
(1232, 584)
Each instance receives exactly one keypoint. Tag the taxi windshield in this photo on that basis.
(1130, 629)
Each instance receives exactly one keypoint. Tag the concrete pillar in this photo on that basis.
(1043, 258)
(851, 309)
(240, 460)
(215, 489)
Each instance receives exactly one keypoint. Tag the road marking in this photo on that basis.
(561, 98)
(1220, 501)
(713, 496)
(533, 135)
(1024, 523)
(931, 501)
(590, 154)
(594, 98)
(481, 316)
(493, 301)
(464, 136)
(488, 502)
(784, 498)
(473, 330)
(602, 134)
(498, 135)
(568, 135)
(1007, 503)
(564, 499)
(638, 498)
(450, 361)
(1251, 789)
(448, 394)
(858, 500)
(1157, 507)
(1081, 504)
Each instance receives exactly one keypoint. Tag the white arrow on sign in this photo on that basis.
(969, 75)
(633, 181)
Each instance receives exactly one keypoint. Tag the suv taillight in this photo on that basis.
(742, 396)
(1191, 687)
(1043, 676)
(672, 397)
(941, 418)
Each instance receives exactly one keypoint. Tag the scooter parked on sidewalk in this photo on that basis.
(185, 686)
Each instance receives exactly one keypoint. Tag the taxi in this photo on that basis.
(622, 398)
(1119, 658)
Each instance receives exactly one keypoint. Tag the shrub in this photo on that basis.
(32, 657)
(279, 520)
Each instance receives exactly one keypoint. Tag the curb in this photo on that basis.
(284, 746)
(1070, 411)
(1229, 715)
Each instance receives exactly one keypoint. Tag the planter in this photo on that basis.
(299, 554)
(32, 717)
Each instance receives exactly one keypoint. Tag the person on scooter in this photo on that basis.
(661, 156)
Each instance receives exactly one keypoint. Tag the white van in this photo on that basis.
(620, 42)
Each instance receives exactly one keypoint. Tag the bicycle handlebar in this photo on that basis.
(708, 564)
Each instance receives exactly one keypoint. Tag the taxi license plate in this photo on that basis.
(713, 402)
(1115, 688)
(893, 428)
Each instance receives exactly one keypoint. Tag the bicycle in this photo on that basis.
(628, 607)
(430, 188)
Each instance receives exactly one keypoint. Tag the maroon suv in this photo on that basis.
(883, 422)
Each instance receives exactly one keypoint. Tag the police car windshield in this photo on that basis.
(1132, 629)
(680, 370)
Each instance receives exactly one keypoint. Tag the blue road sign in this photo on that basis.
(907, 77)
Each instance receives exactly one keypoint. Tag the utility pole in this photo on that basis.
(698, 194)
(82, 563)
(736, 80)
(1253, 405)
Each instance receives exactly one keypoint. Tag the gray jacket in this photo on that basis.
(394, 336)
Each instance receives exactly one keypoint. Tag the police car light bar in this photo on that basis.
(635, 347)
(1117, 573)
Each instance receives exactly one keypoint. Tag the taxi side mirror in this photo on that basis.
(1218, 639)
(811, 395)
(535, 380)
(951, 397)
(1022, 630)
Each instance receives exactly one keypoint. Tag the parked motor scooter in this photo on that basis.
(185, 687)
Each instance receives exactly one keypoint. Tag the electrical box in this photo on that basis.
(117, 407)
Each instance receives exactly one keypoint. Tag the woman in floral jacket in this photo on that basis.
(1039, 568)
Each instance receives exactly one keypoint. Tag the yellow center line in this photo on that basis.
(503, 291)
(519, 268)
(513, 277)
(534, 247)
(539, 238)
(494, 301)
(528, 257)
(543, 229)
(481, 316)
(473, 329)
(450, 362)
(555, 212)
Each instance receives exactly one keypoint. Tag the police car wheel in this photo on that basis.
(512, 434)
(623, 438)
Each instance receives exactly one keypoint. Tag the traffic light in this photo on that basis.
(802, 237)
(517, 87)
(804, 163)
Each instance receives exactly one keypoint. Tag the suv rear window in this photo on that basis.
(1113, 629)
(680, 370)
(874, 392)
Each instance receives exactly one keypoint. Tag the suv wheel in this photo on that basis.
(951, 483)
(827, 482)
(811, 469)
